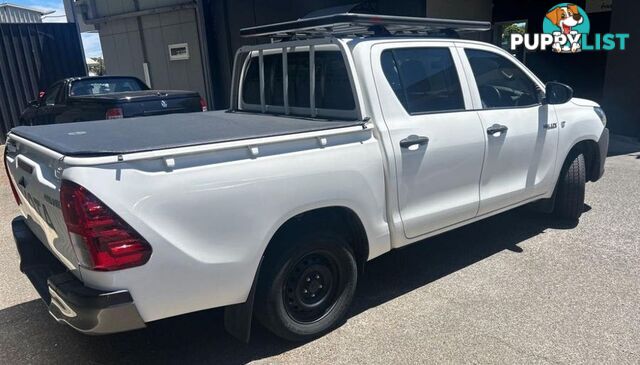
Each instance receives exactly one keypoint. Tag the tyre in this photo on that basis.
(569, 202)
(306, 288)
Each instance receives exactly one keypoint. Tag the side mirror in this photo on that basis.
(34, 103)
(557, 93)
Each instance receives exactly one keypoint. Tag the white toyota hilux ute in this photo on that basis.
(345, 139)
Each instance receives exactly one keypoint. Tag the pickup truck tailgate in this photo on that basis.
(33, 175)
(161, 103)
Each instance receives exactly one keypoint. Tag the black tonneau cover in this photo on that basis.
(121, 136)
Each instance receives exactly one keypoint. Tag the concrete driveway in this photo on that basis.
(516, 288)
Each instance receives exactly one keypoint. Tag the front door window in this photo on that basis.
(501, 83)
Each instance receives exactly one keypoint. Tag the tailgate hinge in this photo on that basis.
(11, 146)
(58, 168)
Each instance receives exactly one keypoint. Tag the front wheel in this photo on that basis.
(569, 202)
(306, 290)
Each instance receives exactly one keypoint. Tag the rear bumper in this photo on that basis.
(69, 301)
(603, 148)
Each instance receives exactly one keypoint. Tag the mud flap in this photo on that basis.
(238, 317)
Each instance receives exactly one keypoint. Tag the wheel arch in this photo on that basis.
(591, 151)
(336, 217)
(238, 317)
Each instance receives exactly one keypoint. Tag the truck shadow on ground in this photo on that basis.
(28, 334)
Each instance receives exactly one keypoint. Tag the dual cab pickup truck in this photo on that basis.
(337, 148)
(80, 99)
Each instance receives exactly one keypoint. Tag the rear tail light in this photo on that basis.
(13, 187)
(203, 105)
(103, 241)
(114, 113)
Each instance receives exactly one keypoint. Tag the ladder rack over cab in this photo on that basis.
(363, 25)
(326, 32)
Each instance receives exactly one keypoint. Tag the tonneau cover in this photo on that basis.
(122, 136)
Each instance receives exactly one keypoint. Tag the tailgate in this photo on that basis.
(33, 175)
(182, 104)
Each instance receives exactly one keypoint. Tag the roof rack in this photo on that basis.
(358, 25)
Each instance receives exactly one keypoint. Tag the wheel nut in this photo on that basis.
(317, 276)
(305, 291)
(308, 280)
(313, 295)
(320, 286)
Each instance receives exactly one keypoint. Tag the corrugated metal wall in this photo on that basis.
(11, 14)
(33, 56)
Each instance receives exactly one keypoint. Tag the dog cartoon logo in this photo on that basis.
(569, 20)
(566, 30)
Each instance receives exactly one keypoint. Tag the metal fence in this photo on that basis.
(33, 56)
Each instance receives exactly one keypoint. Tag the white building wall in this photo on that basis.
(123, 46)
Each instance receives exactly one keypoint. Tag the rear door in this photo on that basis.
(437, 139)
(522, 133)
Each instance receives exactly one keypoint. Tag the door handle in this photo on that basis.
(497, 128)
(413, 140)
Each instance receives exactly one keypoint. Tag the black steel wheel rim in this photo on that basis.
(311, 287)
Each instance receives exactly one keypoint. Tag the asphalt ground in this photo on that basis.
(515, 288)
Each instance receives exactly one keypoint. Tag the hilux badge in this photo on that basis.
(163, 103)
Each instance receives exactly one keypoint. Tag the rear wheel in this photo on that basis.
(306, 289)
(569, 202)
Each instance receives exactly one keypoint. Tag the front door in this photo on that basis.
(522, 133)
(437, 140)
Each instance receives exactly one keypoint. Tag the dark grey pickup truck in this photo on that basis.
(106, 97)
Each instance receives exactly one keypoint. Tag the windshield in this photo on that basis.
(103, 86)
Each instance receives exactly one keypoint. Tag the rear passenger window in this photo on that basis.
(332, 90)
(424, 79)
(501, 83)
